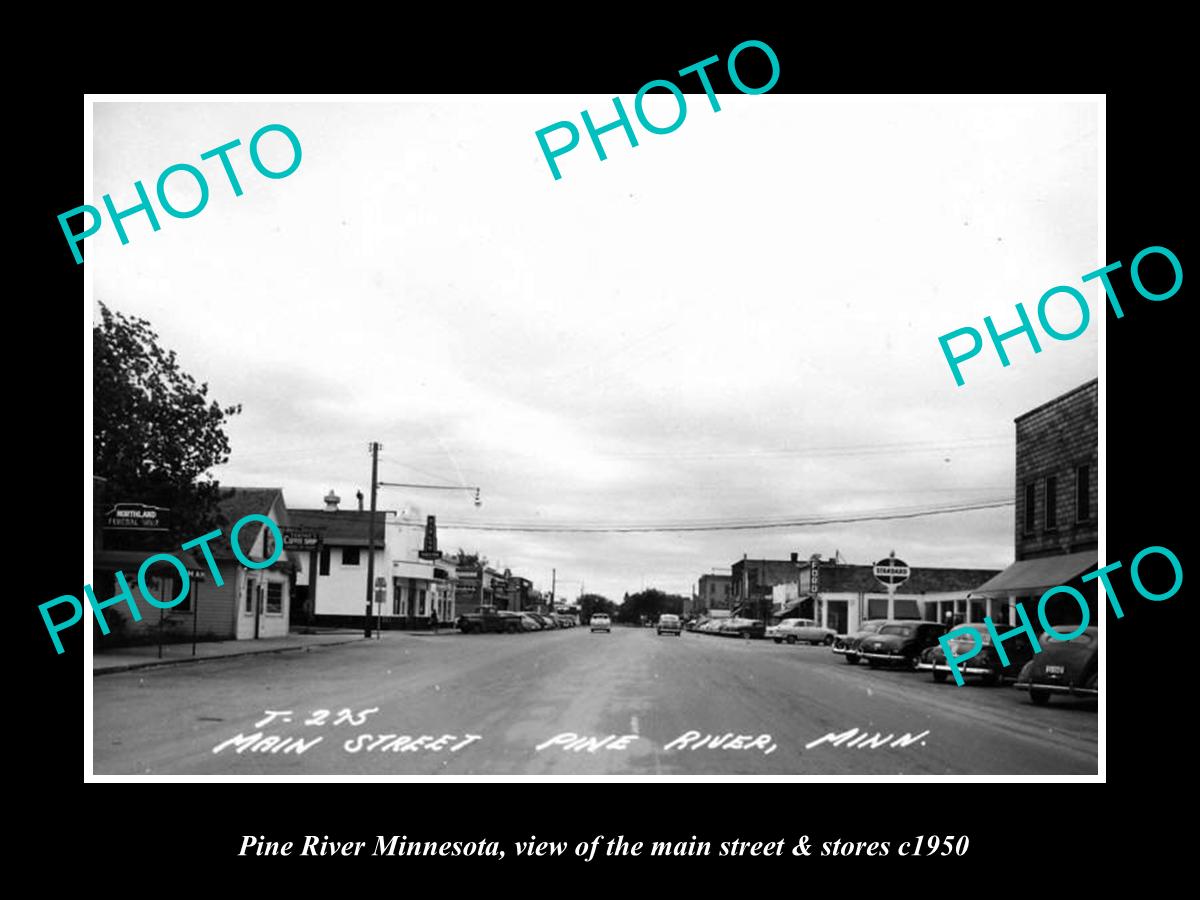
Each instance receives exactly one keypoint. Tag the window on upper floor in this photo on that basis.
(350, 556)
(1083, 494)
(1030, 507)
(1051, 503)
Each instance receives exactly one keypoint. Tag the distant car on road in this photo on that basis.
(847, 645)
(900, 643)
(669, 624)
(985, 665)
(1063, 667)
(793, 630)
(601, 622)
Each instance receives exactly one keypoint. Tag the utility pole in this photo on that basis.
(553, 585)
(375, 447)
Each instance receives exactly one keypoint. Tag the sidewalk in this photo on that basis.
(122, 659)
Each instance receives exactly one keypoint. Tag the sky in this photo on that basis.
(737, 321)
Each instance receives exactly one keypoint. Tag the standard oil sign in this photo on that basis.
(891, 571)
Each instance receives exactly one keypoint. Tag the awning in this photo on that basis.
(1030, 576)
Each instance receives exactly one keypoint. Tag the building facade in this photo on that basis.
(247, 604)
(752, 582)
(1056, 517)
(713, 592)
(842, 596)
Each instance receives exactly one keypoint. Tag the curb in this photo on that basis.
(158, 663)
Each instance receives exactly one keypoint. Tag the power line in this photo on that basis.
(802, 522)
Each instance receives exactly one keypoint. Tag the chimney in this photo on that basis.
(795, 557)
(331, 501)
(359, 495)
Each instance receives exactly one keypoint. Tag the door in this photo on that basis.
(837, 615)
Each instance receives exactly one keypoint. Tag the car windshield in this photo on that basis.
(902, 630)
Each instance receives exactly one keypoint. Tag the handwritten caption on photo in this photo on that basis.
(260, 741)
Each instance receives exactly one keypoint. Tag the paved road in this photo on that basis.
(483, 704)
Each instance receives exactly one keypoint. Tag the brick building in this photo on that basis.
(752, 581)
(1056, 522)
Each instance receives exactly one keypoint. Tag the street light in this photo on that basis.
(435, 487)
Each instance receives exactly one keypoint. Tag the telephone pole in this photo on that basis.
(375, 447)
(553, 585)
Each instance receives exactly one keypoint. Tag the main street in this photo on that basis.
(484, 704)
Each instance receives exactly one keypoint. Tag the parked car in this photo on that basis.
(1063, 667)
(846, 646)
(900, 643)
(669, 624)
(544, 620)
(530, 623)
(793, 630)
(739, 627)
(564, 621)
(984, 665)
(696, 624)
(487, 620)
(601, 622)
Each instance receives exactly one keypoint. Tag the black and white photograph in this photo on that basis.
(450, 437)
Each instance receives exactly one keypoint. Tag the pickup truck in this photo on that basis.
(487, 620)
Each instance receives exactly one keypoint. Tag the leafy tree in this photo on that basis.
(590, 604)
(156, 433)
(650, 603)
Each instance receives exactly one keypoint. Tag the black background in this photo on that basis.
(169, 835)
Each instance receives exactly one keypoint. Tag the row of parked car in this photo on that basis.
(1061, 667)
(504, 621)
(790, 631)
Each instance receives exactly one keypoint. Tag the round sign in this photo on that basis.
(892, 571)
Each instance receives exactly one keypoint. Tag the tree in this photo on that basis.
(156, 433)
(595, 603)
(650, 603)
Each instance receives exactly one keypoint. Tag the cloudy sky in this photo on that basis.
(734, 322)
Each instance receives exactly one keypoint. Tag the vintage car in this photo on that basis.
(847, 645)
(743, 628)
(487, 620)
(793, 630)
(600, 622)
(986, 664)
(669, 624)
(1063, 667)
(531, 623)
(900, 643)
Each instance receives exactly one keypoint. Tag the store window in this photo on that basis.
(274, 598)
(324, 561)
(350, 556)
(1030, 507)
(877, 608)
(421, 602)
(907, 609)
(397, 599)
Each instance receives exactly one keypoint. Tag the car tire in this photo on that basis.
(911, 663)
(828, 640)
(791, 639)
(851, 659)
(779, 640)
(1038, 698)
(940, 677)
